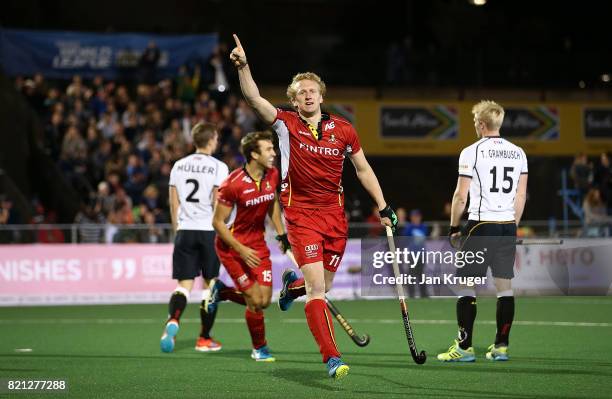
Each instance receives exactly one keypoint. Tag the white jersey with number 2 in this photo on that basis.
(194, 178)
(494, 164)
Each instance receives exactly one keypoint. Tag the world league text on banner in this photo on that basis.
(540, 123)
(111, 55)
(437, 122)
(597, 123)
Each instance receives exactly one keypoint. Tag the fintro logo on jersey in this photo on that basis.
(320, 150)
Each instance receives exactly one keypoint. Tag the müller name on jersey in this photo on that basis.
(507, 154)
(189, 168)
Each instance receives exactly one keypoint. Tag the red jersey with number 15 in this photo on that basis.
(250, 202)
(312, 166)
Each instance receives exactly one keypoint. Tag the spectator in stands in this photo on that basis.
(245, 117)
(417, 231)
(186, 85)
(7, 216)
(89, 222)
(602, 180)
(103, 199)
(148, 63)
(51, 234)
(581, 173)
(375, 228)
(401, 218)
(152, 234)
(596, 219)
(136, 178)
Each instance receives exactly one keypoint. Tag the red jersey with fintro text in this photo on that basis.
(250, 201)
(312, 159)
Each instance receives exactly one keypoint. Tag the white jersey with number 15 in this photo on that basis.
(194, 178)
(494, 164)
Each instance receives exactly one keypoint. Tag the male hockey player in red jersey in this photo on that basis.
(313, 147)
(244, 199)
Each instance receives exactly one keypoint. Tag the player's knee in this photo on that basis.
(257, 303)
(266, 302)
(254, 307)
(316, 289)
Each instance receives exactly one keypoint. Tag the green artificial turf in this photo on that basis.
(113, 351)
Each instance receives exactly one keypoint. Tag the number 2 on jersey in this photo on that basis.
(507, 178)
(196, 186)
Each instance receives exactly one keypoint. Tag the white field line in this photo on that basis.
(292, 321)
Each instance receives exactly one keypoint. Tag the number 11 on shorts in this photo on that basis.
(334, 261)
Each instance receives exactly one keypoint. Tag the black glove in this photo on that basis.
(455, 242)
(284, 241)
(387, 212)
(453, 229)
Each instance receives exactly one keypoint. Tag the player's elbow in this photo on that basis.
(217, 224)
(460, 197)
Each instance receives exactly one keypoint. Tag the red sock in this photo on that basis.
(322, 328)
(297, 288)
(257, 328)
(230, 294)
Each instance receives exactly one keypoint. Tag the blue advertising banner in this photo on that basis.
(63, 54)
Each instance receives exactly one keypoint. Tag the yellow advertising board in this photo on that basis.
(444, 128)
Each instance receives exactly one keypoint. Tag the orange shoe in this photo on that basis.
(207, 345)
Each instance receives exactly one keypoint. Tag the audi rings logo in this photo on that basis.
(311, 247)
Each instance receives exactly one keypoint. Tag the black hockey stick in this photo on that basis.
(359, 340)
(419, 358)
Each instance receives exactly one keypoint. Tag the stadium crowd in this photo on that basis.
(116, 143)
(593, 185)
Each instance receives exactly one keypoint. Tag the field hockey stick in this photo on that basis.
(359, 340)
(419, 358)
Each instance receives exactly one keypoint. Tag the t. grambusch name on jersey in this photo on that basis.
(260, 199)
(320, 150)
(506, 154)
(189, 168)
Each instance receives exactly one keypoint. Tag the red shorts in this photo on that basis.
(244, 276)
(317, 235)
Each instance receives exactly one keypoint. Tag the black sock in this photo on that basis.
(208, 319)
(466, 314)
(177, 305)
(505, 315)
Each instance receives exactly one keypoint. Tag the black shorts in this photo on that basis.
(496, 241)
(194, 254)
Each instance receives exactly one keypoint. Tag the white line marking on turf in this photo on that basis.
(296, 321)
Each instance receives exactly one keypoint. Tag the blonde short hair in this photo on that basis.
(489, 112)
(292, 91)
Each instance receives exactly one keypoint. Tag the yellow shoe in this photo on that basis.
(336, 368)
(499, 353)
(456, 354)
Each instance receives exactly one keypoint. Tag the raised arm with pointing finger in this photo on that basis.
(266, 111)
